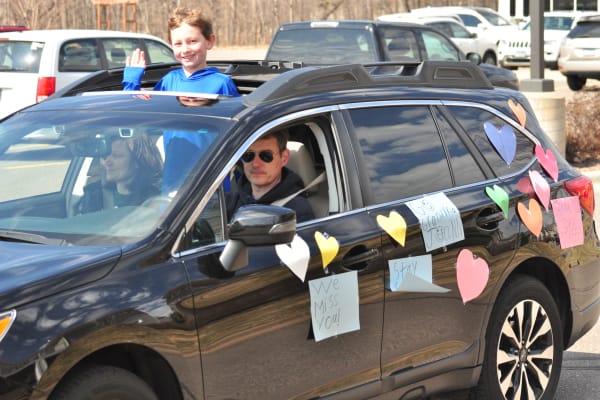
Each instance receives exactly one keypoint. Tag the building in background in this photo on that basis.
(519, 9)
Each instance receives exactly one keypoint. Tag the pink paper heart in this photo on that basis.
(547, 160)
(541, 188)
(472, 274)
(524, 186)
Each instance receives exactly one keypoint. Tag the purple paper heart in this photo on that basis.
(504, 140)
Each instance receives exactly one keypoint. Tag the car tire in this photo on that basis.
(575, 82)
(513, 370)
(489, 58)
(102, 382)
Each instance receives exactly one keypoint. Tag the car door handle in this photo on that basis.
(490, 221)
(359, 261)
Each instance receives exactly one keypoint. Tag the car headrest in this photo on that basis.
(301, 162)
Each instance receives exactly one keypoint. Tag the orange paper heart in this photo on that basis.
(531, 216)
(519, 111)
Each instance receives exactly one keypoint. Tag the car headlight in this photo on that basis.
(6, 321)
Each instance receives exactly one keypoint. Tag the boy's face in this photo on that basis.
(190, 47)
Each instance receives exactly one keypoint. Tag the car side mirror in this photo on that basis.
(474, 58)
(256, 225)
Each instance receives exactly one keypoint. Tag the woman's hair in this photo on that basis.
(191, 17)
(147, 159)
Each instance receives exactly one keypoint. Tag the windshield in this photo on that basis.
(18, 56)
(494, 18)
(92, 178)
(554, 23)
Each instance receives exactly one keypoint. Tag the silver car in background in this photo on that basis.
(579, 55)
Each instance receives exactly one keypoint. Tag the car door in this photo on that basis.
(428, 193)
(256, 329)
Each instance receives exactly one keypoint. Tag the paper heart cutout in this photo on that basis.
(500, 197)
(541, 188)
(524, 186)
(472, 275)
(518, 111)
(547, 160)
(394, 225)
(295, 255)
(531, 216)
(504, 140)
(329, 247)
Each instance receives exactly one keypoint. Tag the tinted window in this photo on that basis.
(402, 152)
(400, 44)
(323, 46)
(473, 120)
(79, 55)
(20, 56)
(591, 30)
(464, 168)
(439, 47)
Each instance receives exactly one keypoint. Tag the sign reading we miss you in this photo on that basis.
(334, 305)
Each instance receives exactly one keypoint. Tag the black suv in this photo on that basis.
(362, 41)
(451, 246)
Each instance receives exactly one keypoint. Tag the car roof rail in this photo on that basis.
(312, 80)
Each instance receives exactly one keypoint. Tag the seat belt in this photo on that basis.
(314, 182)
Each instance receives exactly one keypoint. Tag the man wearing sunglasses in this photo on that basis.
(266, 178)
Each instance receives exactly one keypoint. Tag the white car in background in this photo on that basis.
(483, 21)
(36, 63)
(515, 50)
(453, 27)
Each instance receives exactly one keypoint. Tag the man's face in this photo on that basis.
(261, 174)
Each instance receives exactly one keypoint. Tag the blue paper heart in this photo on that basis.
(504, 140)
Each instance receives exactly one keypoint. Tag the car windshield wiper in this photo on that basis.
(26, 237)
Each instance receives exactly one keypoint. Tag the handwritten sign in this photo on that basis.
(334, 305)
(440, 220)
(567, 215)
(413, 274)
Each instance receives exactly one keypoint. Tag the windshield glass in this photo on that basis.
(19, 56)
(91, 178)
(494, 18)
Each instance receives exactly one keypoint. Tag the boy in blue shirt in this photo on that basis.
(191, 36)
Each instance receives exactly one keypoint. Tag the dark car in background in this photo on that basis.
(356, 41)
(452, 247)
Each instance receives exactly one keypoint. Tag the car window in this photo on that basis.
(334, 46)
(474, 120)
(437, 47)
(400, 44)
(79, 55)
(591, 30)
(401, 151)
(116, 50)
(20, 56)
(469, 20)
(158, 52)
(465, 169)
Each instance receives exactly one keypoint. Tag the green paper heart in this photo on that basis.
(500, 197)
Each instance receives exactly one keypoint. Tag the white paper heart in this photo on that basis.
(295, 255)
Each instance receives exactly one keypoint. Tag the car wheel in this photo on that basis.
(523, 354)
(102, 382)
(575, 82)
(489, 58)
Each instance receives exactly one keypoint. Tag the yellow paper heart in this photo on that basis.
(329, 247)
(394, 225)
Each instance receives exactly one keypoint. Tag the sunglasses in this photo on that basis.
(265, 155)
